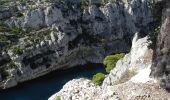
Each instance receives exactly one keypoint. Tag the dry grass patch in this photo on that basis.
(126, 76)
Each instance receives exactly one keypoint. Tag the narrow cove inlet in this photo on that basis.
(43, 87)
(84, 49)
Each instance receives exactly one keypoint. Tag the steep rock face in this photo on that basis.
(34, 19)
(139, 57)
(139, 87)
(161, 59)
(53, 15)
(60, 36)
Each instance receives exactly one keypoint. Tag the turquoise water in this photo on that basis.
(43, 87)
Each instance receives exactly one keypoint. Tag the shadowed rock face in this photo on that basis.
(161, 58)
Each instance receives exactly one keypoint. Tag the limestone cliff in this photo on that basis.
(137, 87)
(140, 59)
(38, 37)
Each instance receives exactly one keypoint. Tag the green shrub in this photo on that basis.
(9, 77)
(84, 4)
(17, 31)
(111, 60)
(98, 78)
(11, 65)
(3, 38)
(4, 29)
(17, 50)
(2, 2)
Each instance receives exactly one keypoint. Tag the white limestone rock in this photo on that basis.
(139, 58)
(78, 89)
(53, 37)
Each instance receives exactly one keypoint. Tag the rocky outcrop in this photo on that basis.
(59, 35)
(160, 67)
(140, 86)
(34, 19)
(139, 57)
(77, 88)
(86, 90)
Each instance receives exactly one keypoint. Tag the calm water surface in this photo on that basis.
(43, 87)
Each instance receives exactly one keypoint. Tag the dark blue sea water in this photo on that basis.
(43, 87)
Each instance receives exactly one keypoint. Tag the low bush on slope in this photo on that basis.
(98, 78)
(111, 60)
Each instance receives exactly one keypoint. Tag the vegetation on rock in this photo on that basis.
(98, 78)
(111, 60)
(11, 65)
(17, 50)
(3, 38)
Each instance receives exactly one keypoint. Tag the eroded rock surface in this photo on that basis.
(86, 90)
(78, 89)
(139, 57)
(139, 87)
(52, 35)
